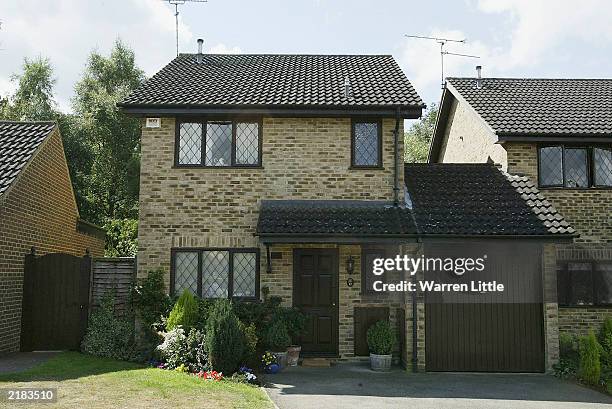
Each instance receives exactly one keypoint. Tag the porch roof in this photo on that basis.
(343, 219)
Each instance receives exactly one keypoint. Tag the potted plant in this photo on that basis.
(381, 341)
(295, 322)
(277, 339)
(269, 362)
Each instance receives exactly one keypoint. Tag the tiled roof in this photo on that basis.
(545, 107)
(18, 142)
(478, 199)
(277, 80)
(333, 217)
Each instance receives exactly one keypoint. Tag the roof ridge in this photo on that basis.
(2, 121)
(530, 78)
(289, 55)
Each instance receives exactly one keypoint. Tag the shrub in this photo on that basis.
(184, 313)
(277, 337)
(294, 320)
(186, 349)
(150, 299)
(225, 342)
(381, 339)
(250, 338)
(605, 339)
(590, 367)
(107, 335)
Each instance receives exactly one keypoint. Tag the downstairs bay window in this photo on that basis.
(216, 273)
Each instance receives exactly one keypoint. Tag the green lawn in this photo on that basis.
(86, 381)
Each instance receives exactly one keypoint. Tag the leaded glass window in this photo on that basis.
(551, 166)
(217, 273)
(366, 144)
(247, 143)
(245, 274)
(190, 144)
(602, 166)
(186, 272)
(575, 167)
(218, 143)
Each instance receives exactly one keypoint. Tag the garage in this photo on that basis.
(471, 211)
(491, 332)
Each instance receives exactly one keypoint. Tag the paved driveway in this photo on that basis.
(355, 386)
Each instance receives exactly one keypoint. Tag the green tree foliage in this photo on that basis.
(184, 313)
(418, 137)
(121, 237)
(111, 137)
(225, 341)
(151, 300)
(33, 98)
(589, 368)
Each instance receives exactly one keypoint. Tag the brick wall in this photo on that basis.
(303, 158)
(38, 210)
(580, 320)
(468, 140)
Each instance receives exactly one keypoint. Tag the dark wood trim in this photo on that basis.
(379, 125)
(203, 121)
(230, 284)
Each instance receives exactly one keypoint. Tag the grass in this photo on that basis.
(86, 381)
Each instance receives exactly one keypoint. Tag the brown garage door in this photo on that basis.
(489, 336)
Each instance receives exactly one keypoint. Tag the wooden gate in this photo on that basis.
(55, 301)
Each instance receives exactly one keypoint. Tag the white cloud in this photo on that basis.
(66, 31)
(224, 49)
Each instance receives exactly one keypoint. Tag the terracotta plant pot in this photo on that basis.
(281, 359)
(380, 363)
(293, 355)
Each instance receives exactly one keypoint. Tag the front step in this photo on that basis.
(316, 362)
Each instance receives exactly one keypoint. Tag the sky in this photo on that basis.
(514, 38)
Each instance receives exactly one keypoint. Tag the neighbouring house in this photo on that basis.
(556, 133)
(37, 209)
(285, 173)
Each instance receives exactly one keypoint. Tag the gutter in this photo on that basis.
(396, 159)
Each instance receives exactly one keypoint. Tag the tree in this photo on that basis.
(112, 137)
(33, 99)
(418, 137)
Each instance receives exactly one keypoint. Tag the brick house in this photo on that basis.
(558, 134)
(37, 209)
(284, 172)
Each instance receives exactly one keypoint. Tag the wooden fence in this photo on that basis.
(113, 274)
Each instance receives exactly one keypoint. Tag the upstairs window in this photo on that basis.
(218, 144)
(216, 273)
(366, 144)
(575, 166)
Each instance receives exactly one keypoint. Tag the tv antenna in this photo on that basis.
(177, 3)
(442, 41)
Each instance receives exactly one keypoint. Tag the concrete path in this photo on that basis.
(355, 386)
(20, 361)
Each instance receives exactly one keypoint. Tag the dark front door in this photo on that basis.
(315, 292)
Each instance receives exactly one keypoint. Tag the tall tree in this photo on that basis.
(113, 138)
(33, 98)
(418, 137)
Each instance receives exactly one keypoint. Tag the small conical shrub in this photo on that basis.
(225, 343)
(605, 339)
(590, 367)
(184, 313)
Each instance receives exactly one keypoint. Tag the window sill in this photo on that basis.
(585, 307)
(366, 168)
(215, 167)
